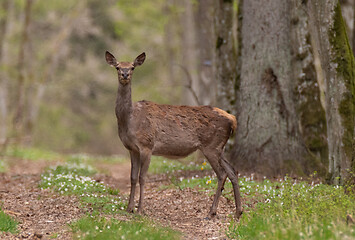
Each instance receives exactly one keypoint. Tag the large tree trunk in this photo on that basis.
(226, 56)
(309, 109)
(268, 139)
(337, 60)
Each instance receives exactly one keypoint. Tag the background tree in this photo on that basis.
(4, 17)
(307, 86)
(226, 55)
(268, 140)
(329, 33)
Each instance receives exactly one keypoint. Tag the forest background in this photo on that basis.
(284, 68)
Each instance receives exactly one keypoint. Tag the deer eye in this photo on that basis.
(132, 68)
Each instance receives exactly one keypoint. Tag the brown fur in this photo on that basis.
(146, 128)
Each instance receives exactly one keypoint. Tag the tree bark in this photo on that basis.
(268, 139)
(18, 119)
(3, 78)
(312, 122)
(353, 28)
(226, 56)
(188, 46)
(205, 43)
(337, 61)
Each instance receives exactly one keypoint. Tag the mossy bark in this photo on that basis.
(268, 140)
(312, 121)
(337, 60)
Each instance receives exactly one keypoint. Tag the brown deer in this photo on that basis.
(146, 128)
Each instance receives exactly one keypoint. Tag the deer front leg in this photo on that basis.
(134, 177)
(145, 161)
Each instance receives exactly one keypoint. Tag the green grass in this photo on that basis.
(74, 179)
(7, 223)
(159, 165)
(89, 159)
(2, 165)
(31, 153)
(106, 229)
(284, 209)
(298, 210)
(250, 189)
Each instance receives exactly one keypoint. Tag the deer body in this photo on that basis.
(146, 128)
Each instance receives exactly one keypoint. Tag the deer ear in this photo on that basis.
(139, 60)
(110, 59)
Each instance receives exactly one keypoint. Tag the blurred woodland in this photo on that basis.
(284, 68)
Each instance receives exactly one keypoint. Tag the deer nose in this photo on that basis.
(125, 75)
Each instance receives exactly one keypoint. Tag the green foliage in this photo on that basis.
(102, 228)
(31, 153)
(7, 223)
(2, 165)
(298, 210)
(160, 165)
(74, 179)
(250, 189)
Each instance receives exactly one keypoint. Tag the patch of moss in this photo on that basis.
(344, 59)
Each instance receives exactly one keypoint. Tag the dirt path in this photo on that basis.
(43, 214)
(40, 212)
(183, 210)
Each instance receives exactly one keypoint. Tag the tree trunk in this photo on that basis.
(309, 109)
(172, 56)
(353, 28)
(226, 56)
(268, 139)
(337, 61)
(188, 46)
(3, 78)
(347, 9)
(205, 39)
(18, 120)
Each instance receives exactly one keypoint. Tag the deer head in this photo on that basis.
(124, 69)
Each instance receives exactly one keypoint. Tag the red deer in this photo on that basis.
(146, 128)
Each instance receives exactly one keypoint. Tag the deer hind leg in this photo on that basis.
(213, 159)
(234, 179)
(145, 161)
(135, 160)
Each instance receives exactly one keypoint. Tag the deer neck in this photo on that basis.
(124, 104)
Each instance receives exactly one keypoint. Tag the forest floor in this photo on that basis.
(44, 214)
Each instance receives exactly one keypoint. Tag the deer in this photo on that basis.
(147, 128)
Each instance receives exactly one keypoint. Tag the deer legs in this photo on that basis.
(135, 161)
(221, 178)
(139, 166)
(234, 179)
(223, 169)
(145, 161)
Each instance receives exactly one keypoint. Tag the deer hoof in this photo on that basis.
(210, 216)
(130, 210)
(238, 214)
